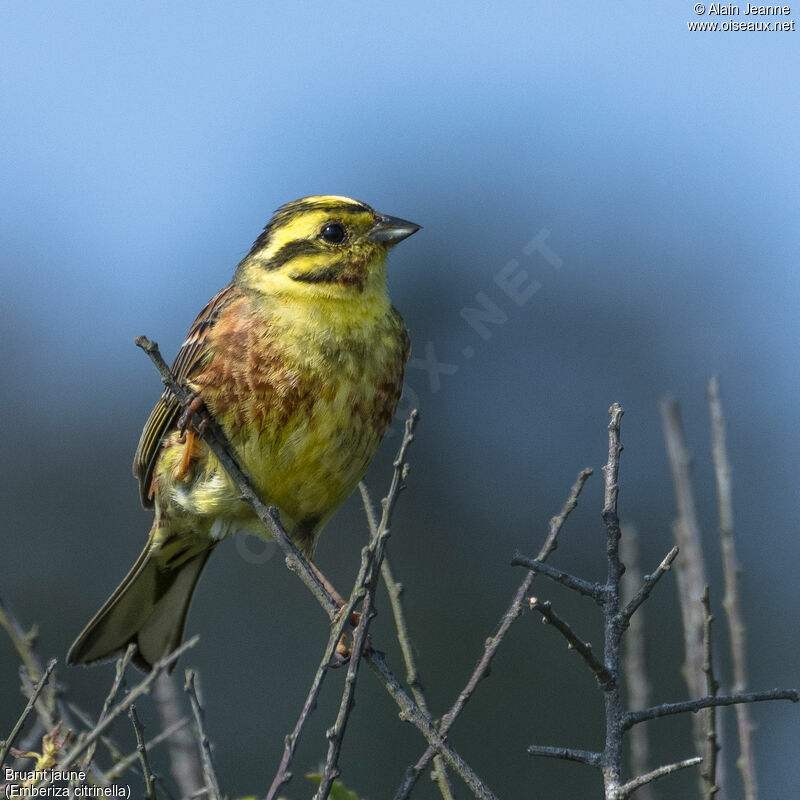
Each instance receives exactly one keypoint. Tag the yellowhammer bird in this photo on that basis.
(300, 360)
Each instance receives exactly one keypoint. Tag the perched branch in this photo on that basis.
(217, 442)
(395, 592)
(709, 771)
(730, 602)
(584, 649)
(579, 585)
(567, 754)
(493, 642)
(141, 754)
(635, 717)
(37, 690)
(626, 790)
(211, 783)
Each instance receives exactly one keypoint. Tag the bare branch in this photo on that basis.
(117, 684)
(211, 783)
(141, 754)
(631, 786)
(635, 717)
(126, 762)
(584, 649)
(649, 582)
(410, 712)
(730, 602)
(493, 642)
(587, 588)
(37, 690)
(567, 754)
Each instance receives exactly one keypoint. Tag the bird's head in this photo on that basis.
(324, 245)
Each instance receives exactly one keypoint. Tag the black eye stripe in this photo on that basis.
(299, 247)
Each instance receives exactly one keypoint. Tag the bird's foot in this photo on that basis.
(195, 405)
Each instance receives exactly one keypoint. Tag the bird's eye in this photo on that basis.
(333, 233)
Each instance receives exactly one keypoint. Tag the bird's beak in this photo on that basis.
(392, 229)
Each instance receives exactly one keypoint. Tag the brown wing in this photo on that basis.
(191, 357)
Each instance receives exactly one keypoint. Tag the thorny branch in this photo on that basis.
(617, 620)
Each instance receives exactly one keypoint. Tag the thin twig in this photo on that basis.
(395, 591)
(730, 602)
(133, 695)
(567, 754)
(37, 690)
(141, 754)
(634, 661)
(632, 785)
(411, 712)
(117, 684)
(211, 783)
(690, 569)
(709, 771)
(125, 762)
(493, 642)
(579, 585)
(584, 649)
(635, 717)
(649, 582)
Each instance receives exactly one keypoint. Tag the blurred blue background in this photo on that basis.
(145, 145)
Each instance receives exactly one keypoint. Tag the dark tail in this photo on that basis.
(148, 608)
